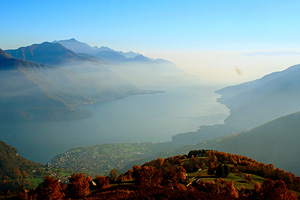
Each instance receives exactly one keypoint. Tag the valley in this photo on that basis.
(263, 138)
(138, 118)
(129, 119)
(144, 100)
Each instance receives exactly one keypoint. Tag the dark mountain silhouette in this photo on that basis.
(47, 53)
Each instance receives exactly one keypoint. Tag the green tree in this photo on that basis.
(222, 171)
(114, 174)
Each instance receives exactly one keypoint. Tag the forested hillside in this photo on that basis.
(202, 174)
(18, 172)
(275, 142)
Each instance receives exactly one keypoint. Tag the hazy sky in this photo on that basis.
(218, 40)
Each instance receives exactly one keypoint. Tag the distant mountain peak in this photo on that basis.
(103, 48)
(69, 40)
(81, 47)
(77, 46)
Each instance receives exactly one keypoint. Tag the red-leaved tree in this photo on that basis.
(79, 186)
(49, 189)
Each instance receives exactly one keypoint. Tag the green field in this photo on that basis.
(237, 178)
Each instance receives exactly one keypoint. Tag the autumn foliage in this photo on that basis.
(248, 165)
(79, 186)
(49, 189)
(167, 179)
(101, 182)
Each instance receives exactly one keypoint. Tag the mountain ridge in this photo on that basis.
(252, 103)
(274, 142)
(81, 47)
(13, 167)
(47, 53)
(52, 92)
(106, 53)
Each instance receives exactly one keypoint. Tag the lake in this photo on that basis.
(137, 118)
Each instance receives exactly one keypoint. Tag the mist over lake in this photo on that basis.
(137, 118)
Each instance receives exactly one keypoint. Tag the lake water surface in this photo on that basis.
(138, 118)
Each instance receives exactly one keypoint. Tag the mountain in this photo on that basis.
(10, 160)
(48, 54)
(4, 55)
(116, 57)
(77, 47)
(138, 69)
(51, 93)
(111, 56)
(17, 172)
(129, 54)
(199, 174)
(275, 142)
(140, 58)
(262, 100)
(8, 62)
(106, 53)
(252, 104)
(14, 168)
(27, 95)
(15, 83)
(81, 47)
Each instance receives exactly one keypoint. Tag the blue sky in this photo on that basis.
(154, 26)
